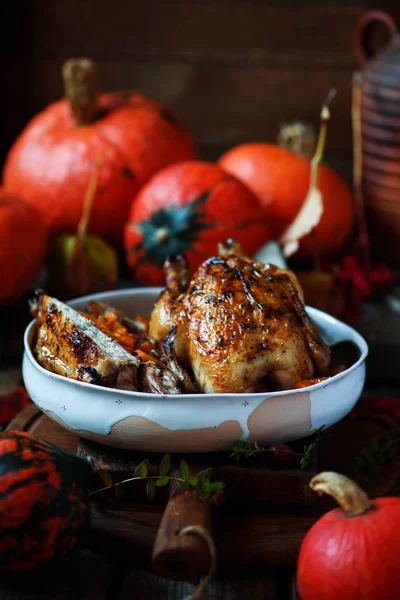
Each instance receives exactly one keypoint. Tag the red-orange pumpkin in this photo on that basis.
(188, 208)
(352, 552)
(22, 246)
(280, 179)
(51, 162)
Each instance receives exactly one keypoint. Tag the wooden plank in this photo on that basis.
(219, 106)
(305, 34)
(33, 420)
(142, 585)
(87, 577)
(232, 69)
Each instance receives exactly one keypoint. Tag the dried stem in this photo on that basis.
(298, 137)
(80, 273)
(88, 202)
(80, 83)
(319, 152)
(113, 485)
(357, 168)
(315, 163)
(310, 213)
(352, 499)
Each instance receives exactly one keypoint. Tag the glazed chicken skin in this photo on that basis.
(241, 325)
(170, 310)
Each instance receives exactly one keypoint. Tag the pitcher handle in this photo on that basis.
(363, 51)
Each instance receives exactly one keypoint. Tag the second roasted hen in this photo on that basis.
(241, 325)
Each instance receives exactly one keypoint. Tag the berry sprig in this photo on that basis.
(281, 453)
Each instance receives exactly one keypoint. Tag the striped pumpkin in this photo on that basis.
(43, 501)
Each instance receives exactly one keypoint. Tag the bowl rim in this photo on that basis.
(356, 337)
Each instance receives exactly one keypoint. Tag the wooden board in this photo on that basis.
(246, 481)
(270, 537)
(117, 567)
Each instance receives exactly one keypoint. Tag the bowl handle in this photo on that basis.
(363, 33)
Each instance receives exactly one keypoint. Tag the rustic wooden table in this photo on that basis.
(111, 566)
(256, 548)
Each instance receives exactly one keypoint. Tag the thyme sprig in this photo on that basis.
(309, 449)
(205, 488)
(380, 454)
(251, 449)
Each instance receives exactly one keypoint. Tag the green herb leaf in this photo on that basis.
(105, 477)
(150, 489)
(184, 470)
(200, 494)
(141, 469)
(211, 488)
(194, 482)
(163, 481)
(165, 465)
(184, 486)
(202, 475)
(369, 461)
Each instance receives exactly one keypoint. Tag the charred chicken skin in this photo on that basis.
(240, 325)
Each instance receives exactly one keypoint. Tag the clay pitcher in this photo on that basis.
(380, 126)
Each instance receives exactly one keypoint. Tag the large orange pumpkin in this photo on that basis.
(22, 246)
(52, 160)
(188, 208)
(280, 178)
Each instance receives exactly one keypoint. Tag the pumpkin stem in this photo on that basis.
(80, 83)
(298, 137)
(319, 152)
(310, 213)
(316, 161)
(351, 498)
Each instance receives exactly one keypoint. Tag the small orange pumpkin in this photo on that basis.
(351, 552)
(189, 208)
(22, 246)
(280, 179)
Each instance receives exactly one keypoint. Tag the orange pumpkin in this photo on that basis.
(52, 160)
(352, 551)
(22, 247)
(188, 208)
(280, 178)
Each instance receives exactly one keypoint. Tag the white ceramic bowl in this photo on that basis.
(192, 423)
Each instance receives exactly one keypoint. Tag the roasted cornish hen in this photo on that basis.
(241, 325)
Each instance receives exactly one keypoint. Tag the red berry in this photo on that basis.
(281, 454)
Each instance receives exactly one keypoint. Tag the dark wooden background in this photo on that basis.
(233, 70)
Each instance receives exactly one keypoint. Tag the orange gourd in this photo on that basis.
(351, 552)
(22, 246)
(51, 161)
(189, 208)
(280, 179)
